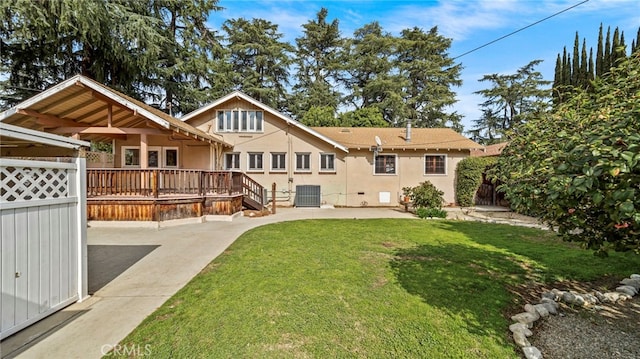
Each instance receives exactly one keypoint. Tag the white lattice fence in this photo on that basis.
(36, 180)
(99, 159)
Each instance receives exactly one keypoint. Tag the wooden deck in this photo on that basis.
(161, 194)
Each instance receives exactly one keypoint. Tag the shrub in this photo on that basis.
(469, 178)
(423, 212)
(425, 195)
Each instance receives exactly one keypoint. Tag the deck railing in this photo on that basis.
(165, 182)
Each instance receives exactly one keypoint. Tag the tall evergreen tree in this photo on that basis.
(259, 60)
(575, 65)
(512, 100)
(431, 73)
(317, 62)
(368, 62)
(45, 42)
(600, 55)
(606, 58)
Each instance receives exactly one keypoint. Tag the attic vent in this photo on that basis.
(345, 130)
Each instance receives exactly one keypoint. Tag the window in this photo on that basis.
(240, 121)
(385, 164)
(171, 157)
(130, 157)
(278, 161)
(303, 162)
(232, 161)
(255, 161)
(157, 157)
(435, 164)
(327, 162)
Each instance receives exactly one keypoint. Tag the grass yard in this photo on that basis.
(366, 289)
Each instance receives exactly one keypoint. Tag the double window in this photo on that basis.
(435, 164)
(232, 161)
(255, 161)
(240, 121)
(327, 162)
(303, 162)
(385, 165)
(157, 157)
(278, 161)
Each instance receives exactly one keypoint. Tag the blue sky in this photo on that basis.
(469, 23)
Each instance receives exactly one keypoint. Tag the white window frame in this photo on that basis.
(395, 164)
(124, 156)
(255, 169)
(160, 153)
(240, 120)
(424, 163)
(284, 162)
(236, 155)
(324, 155)
(308, 159)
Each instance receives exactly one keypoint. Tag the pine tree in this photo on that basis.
(423, 60)
(317, 53)
(259, 60)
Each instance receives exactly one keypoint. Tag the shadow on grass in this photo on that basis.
(465, 282)
(473, 279)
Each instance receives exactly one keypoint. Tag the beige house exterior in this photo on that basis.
(353, 167)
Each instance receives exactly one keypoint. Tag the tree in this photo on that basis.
(363, 117)
(317, 63)
(319, 116)
(154, 50)
(45, 42)
(368, 71)
(191, 60)
(259, 60)
(512, 100)
(579, 167)
(431, 73)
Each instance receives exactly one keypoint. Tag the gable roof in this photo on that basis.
(491, 150)
(82, 102)
(272, 111)
(394, 138)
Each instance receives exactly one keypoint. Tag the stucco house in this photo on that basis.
(343, 166)
(228, 155)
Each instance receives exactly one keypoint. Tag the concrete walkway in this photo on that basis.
(133, 271)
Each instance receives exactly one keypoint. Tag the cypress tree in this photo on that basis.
(575, 67)
(566, 73)
(606, 58)
(591, 70)
(582, 76)
(557, 81)
(599, 55)
(615, 45)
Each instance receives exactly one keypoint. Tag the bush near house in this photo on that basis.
(427, 198)
(469, 178)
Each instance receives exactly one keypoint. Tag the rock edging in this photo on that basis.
(549, 305)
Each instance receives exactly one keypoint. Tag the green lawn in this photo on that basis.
(365, 288)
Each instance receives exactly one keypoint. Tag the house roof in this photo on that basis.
(491, 150)
(81, 105)
(395, 138)
(277, 114)
(10, 134)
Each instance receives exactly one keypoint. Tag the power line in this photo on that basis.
(523, 28)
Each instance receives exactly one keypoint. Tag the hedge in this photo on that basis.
(469, 178)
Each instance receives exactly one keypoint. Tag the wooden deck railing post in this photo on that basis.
(154, 183)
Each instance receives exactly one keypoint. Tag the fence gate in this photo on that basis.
(307, 196)
(41, 238)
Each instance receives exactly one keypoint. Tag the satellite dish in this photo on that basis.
(378, 142)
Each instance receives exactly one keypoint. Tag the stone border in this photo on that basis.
(548, 304)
